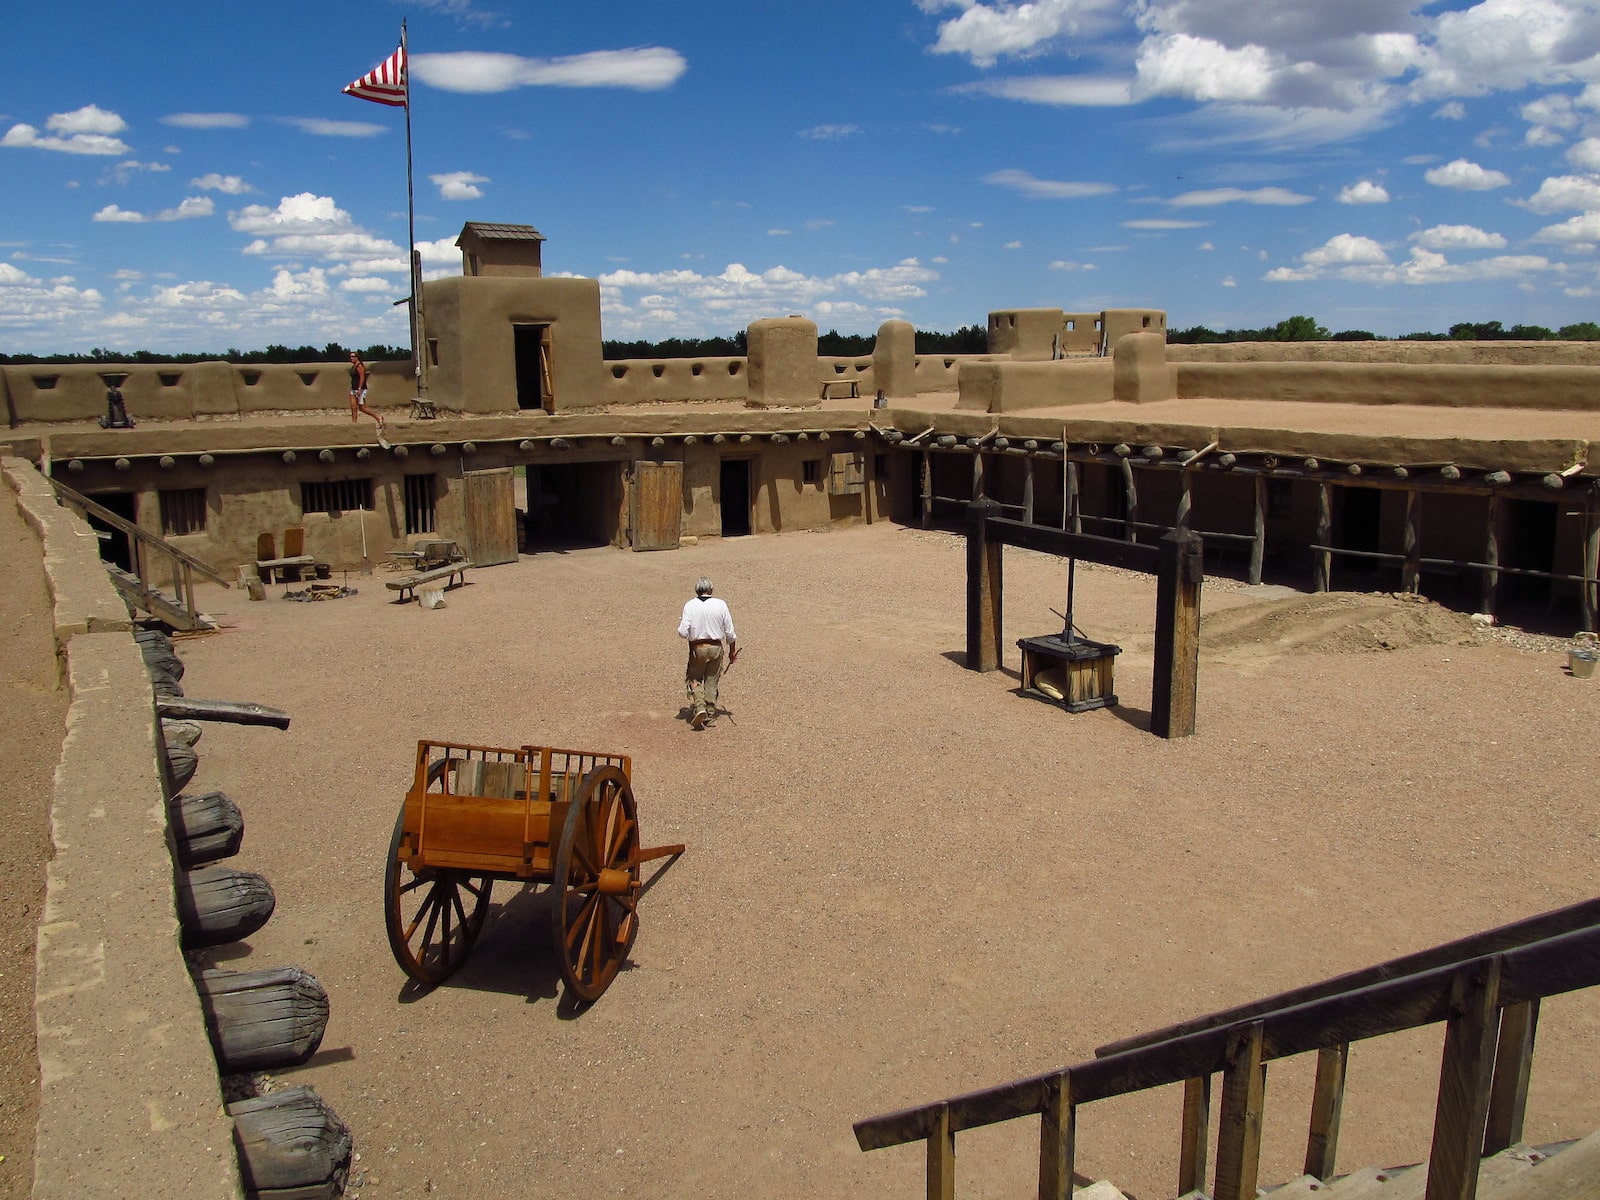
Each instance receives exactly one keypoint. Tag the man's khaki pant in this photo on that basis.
(700, 679)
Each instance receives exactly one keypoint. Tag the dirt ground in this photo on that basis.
(35, 714)
(904, 879)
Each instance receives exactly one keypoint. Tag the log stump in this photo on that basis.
(258, 1020)
(219, 904)
(181, 733)
(205, 828)
(182, 762)
(291, 1146)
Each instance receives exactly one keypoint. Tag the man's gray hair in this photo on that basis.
(702, 586)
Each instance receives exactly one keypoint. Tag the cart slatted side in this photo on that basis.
(493, 810)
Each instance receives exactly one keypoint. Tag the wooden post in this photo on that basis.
(1411, 569)
(1239, 1119)
(1327, 1103)
(1464, 1078)
(1322, 573)
(1491, 555)
(1070, 518)
(984, 588)
(977, 475)
(1027, 491)
(926, 472)
(1591, 563)
(1508, 1094)
(1185, 499)
(1130, 493)
(1258, 541)
(1058, 1121)
(1177, 666)
(941, 1157)
(1196, 1135)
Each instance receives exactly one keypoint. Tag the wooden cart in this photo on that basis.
(532, 815)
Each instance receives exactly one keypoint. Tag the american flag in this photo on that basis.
(384, 84)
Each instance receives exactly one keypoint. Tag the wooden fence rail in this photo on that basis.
(1488, 1003)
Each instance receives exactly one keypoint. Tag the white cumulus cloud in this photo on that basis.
(1274, 196)
(1364, 192)
(459, 185)
(1458, 237)
(1046, 189)
(1464, 176)
(647, 69)
(86, 130)
(232, 185)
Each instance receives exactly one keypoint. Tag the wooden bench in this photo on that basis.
(853, 384)
(407, 587)
(271, 566)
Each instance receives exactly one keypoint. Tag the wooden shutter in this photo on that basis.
(847, 474)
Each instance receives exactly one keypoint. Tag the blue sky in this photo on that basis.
(188, 176)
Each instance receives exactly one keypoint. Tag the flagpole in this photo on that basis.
(419, 363)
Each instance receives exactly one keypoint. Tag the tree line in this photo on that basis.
(1306, 329)
(969, 339)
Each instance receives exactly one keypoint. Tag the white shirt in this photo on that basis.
(706, 619)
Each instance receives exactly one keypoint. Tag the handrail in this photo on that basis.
(1490, 941)
(123, 525)
(1467, 994)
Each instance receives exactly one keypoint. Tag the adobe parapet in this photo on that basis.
(1046, 334)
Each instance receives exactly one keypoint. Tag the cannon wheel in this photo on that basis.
(595, 916)
(433, 916)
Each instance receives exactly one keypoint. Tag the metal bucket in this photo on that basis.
(324, 570)
(1581, 663)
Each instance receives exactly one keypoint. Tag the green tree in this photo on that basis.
(1296, 329)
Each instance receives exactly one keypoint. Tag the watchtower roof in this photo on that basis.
(492, 232)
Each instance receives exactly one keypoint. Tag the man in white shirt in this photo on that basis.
(706, 624)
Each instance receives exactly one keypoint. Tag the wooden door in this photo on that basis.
(655, 508)
(491, 510)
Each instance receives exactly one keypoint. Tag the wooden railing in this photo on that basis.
(1486, 990)
(147, 549)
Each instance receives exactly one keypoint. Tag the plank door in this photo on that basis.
(655, 509)
(491, 511)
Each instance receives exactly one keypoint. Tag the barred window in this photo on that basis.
(811, 470)
(419, 504)
(183, 510)
(336, 496)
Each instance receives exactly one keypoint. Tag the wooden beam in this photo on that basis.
(1058, 1121)
(985, 587)
(942, 1157)
(1258, 540)
(1027, 491)
(1323, 569)
(1591, 562)
(1327, 1104)
(1130, 496)
(1193, 1147)
(1087, 546)
(1464, 1078)
(1411, 569)
(926, 476)
(1070, 518)
(1239, 1119)
(1508, 1094)
(1177, 651)
(1491, 555)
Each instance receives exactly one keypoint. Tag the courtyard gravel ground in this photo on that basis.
(904, 879)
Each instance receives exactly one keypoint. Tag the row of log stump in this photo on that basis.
(291, 1145)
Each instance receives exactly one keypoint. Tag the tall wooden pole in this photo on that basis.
(419, 359)
(1177, 666)
(1258, 540)
(1321, 577)
(984, 588)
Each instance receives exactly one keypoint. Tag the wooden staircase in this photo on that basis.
(1484, 989)
(137, 587)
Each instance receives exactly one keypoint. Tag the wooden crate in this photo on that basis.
(1085, 669)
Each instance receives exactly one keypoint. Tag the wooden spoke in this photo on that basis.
(594, 930)
(432, 926)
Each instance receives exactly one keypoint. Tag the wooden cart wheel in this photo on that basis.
(595, 917)
(434, 915)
